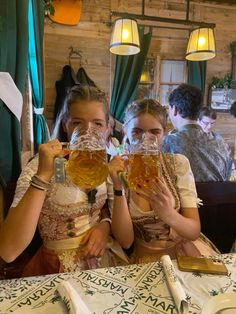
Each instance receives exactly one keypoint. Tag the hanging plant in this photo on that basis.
(225, 82)
(48, 7)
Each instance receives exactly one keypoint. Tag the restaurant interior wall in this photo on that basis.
(92, 35)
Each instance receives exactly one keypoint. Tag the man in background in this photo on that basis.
(206, 119)
(210, 158)
(233, 112)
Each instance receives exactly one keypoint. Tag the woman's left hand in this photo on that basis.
(159, 197)
(96, 240)
(115, 166)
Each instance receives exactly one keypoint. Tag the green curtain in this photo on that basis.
(128, 70)
(13, 59)
(36, 28)
(233, 52)
(233, 48)
(197, 74)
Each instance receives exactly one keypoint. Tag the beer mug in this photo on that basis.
(86, 166)
(143, 163)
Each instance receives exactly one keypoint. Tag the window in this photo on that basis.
(172, 74)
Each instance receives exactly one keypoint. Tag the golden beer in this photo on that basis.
(87, 168)
(143, 168)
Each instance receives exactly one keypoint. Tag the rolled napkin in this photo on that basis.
(71, 298)
(174, 285)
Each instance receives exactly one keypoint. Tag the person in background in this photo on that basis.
(161, 217)
(74, 223)
(113, 144)
(210, 158)
(206, 119)
(233, 109)
(233, 113)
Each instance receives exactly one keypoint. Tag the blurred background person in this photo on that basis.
(210, 158)
(112, 143)
(206, 119)
(233, 109)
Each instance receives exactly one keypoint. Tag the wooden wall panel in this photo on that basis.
(92, 37)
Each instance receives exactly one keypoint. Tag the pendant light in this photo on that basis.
(125, 37)
(147, 75)
(201, 45)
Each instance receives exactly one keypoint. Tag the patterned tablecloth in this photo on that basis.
(133, 289)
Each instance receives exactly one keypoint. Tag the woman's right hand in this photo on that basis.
(47, 153)
(115, 166)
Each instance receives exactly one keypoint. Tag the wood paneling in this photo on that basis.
(221, 1)
(92, 36)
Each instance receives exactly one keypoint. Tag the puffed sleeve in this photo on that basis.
(185, 182)
(24, 180)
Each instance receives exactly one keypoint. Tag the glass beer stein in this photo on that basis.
(143, 163)
(86, 166)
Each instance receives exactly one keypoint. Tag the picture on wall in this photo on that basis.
(222, 99)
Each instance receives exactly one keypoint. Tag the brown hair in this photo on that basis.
(76, 94)
(207, 112)
(151, 106)
(188, 101)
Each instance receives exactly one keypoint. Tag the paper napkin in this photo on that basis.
(70, 296)
(174, 285)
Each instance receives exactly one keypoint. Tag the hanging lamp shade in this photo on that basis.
(201, 45)
(145, 77)
(125, 37)
(148, 72)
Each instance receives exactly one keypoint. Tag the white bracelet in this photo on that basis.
(106, 219)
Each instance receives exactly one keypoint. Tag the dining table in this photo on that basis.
(136, 289)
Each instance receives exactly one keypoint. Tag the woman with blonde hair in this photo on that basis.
(73, 222)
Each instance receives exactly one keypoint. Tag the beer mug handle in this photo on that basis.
(123, 176)
(59, 170)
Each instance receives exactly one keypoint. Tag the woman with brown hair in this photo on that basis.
(160, 215)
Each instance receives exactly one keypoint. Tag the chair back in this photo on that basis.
(218, 213)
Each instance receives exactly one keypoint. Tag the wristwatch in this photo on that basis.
(119, 192)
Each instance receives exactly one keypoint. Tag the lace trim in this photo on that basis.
(72, 260)
(141, 230)
(168, 172)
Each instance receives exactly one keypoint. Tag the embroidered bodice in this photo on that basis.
(66, 211)
(179, 179)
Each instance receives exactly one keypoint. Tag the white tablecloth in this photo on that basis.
(133, 289)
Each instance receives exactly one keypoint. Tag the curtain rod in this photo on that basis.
(161, 19)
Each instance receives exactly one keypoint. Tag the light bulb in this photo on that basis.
(125, 34)
(201, 41)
